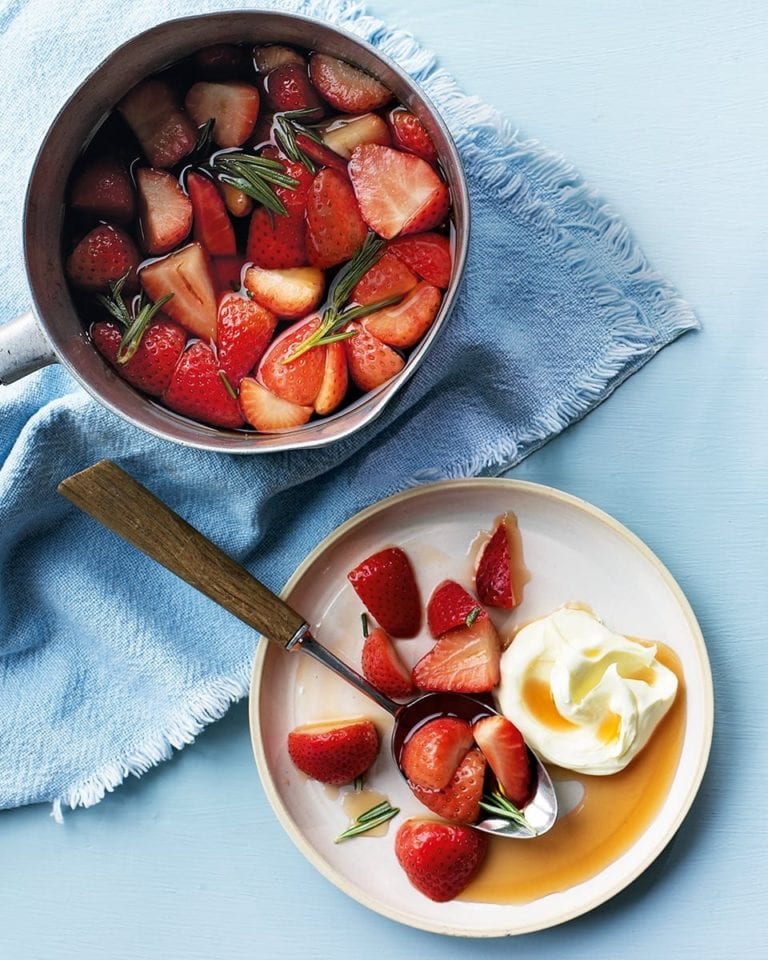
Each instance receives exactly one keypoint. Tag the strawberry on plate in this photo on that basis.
(151, 367)
(165, 211)
(186, 274)
(103, 190)
(196, 390)
(459, 799)
(387, 587)
(427, 254)
(165, 132)
(500, 572)
(388, 277)
(266, 412)
(243, 332)
(334, 751)
(403, 324)
(298, 381)
(433, 752)
(398, 193)
(383, 667)
(345, 87)
(287, 88)
(335, 229)
(505, 750)
(343, 134)
(464, 660)
(102, 257)
(290, 293)
(213, 228)
(450, 606)
(232, 106)
(371, 362)
(409, 133)
(439, 859)
(335, 381)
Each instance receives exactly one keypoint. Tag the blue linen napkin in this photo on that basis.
(108, 662)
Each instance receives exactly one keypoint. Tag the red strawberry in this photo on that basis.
(165, 132)
(440, 859)
(371, 362)
(244, 329)
(450, 606)
(464, 660)
(409, 133)
(345, 87)
(227, 273)
(343, 134)
(197, 391)
(233, 106)
(404, 324)
(165, 211)
(103, 190)
(506, 752)
(383, 667)
(322, 155)
(213, 228)
(433, 752)
(150, 369)
(287, 87)
(386, 585)
(187, 275)
(388, 277)
(497, 578)
(333, 389)
(294, 198)
(276, 242)
(289, 293)
(427, 254)
(221, 62)
(335, 229)
(459, 800)
(268, 413)
(300, 380)
(103, 255)
(274, 55)
(398, 192)
(336, 751)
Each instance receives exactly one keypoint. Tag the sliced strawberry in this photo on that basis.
(268, 413)
(450, 606)
(404, 324)
(213, 228)
(383, 667)
(460, 799)
(287, 88)
(165, 211)
(333, 389)
(150, 369)
(335, 229)
(322, 155)
(464, 660)
(187, 275)
(427, 254)
(388, 277)
(343, 134)
(505, 750)
(244, 330)
(409, 133)
(300, 380)
(290, 293)
(398, 192)
(233, 106)
(433, 752)
(439, 859)
(103, 190)
(371, 362)
(345, 87)
(334, 752)
(165, 132)
(222, 61)
(196, 390)
(102, 256)
(386, 585)
(498, 579)
(227, 273)
(274, 55)
(238, 203)
(276, 242)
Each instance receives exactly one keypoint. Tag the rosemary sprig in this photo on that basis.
(288, 127)
(369, 820)
(255, 176)
(473, 614)
(134, 323)
(497, 804)
(364, 622)
(204, 140)
(227, 385)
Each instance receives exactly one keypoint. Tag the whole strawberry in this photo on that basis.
(102, 257)
(440, 859)
(151, 367)
(334, 752)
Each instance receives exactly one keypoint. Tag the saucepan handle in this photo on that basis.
(24, 348)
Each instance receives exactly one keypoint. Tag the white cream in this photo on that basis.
(583, 697)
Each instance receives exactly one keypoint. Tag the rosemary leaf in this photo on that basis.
(114, 303)
(287, 127)
(354, 313)
(473, 614)
(227, 385)
(364, 621)
(369, 820)
(255, 176)
(498, 805)
(359, 783)
(138, 327)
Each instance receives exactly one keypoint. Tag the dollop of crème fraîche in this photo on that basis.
(583, 697)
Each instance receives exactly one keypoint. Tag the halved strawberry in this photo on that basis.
(345, 87)
(383, 667)
(222, 61)
(439, 859)
(196, 390)
(238, 203)
(460, 799)
(276, 242)
(505, 750)
(268, 413)
(287, 88)
(388, 277)
(335, 751)
(275, 55)
(450, 606)
(213, 228)
(335, 229)
(244, 330)
(333, 389)
(165, 132)
(398, 192)
(150, 369)
(433, 752)
(300, 380)
(427, 254)
(371, 362)
(289, 293)
(386, 585)
(187, 275)
(233, 106)
(165, 211)
(103, 256)
(464, 660)
(103, 190)
(322, 155)
(409, 133)
(343, 134)
(498, 579)
(227, 273)
(404, 324)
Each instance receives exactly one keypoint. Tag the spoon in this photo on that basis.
(127, 508)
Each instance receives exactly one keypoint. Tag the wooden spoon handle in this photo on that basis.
(121, 503)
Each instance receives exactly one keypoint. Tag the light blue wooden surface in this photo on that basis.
(663, 106)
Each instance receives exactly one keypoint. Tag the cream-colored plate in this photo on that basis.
(575, 553)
